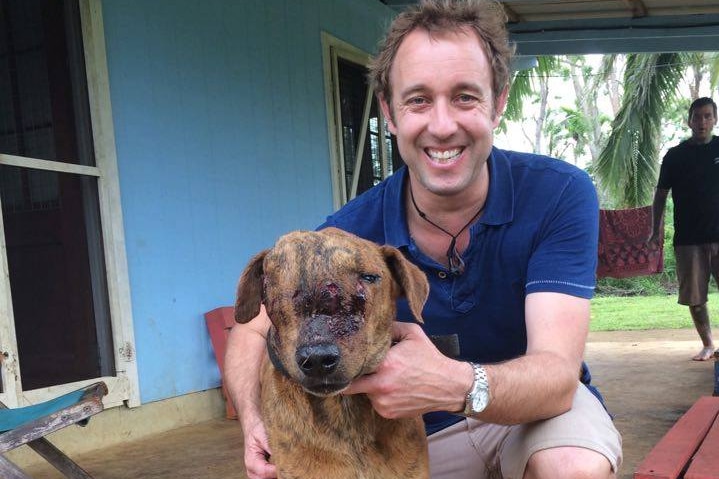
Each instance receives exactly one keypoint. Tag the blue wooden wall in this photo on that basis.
(221, 133)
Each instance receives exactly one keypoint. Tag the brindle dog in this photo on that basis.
(331, 299)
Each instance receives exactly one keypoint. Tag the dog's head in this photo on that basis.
(331, 299)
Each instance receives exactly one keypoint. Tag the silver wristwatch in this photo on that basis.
(478, 396)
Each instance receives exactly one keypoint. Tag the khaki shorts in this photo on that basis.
(472, 449)
(695, 263)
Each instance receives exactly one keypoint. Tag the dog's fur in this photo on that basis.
(331, 299)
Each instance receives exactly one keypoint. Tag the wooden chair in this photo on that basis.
(219, 322)
(29, 425)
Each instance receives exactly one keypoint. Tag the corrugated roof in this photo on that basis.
(541, 11)
(608, 26)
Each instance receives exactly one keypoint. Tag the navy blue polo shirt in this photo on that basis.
(538, 233)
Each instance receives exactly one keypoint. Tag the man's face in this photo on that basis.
(702, 123)
(442, 109)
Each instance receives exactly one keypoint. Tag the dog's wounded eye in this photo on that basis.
(369, 278)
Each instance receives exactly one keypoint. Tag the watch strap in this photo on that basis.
(480, 385)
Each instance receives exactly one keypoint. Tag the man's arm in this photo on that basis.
(415, 378)
(243, 360)
(542, 383)
(660, 201)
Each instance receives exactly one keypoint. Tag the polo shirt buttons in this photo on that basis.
(442, 275)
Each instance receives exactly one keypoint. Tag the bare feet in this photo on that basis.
(704, 355)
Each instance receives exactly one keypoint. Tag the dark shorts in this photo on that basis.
(695, 265)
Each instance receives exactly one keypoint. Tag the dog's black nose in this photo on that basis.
(318, 360)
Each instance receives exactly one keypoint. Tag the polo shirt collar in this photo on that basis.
(499, 208)
(396, 232)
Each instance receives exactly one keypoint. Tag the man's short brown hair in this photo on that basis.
(485, 17)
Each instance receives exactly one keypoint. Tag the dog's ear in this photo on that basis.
(410, 278)
(249, 289)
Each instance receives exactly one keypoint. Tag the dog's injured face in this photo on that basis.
(331, 298)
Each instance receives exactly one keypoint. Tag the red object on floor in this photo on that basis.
(219, 322)
(623, 248)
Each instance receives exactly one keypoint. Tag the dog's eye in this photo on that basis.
(369, 278)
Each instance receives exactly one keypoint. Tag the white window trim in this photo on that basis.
(333, 48)
(124, 386)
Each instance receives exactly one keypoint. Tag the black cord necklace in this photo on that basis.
(456, 263)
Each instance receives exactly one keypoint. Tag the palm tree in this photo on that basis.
(627, 166)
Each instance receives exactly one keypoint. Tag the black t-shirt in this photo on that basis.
(691, 172)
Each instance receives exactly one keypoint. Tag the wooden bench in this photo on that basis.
(690, 449)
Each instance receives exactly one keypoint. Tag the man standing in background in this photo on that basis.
(691, 171)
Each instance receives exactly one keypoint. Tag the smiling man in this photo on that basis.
(691, 171)
(508, 242)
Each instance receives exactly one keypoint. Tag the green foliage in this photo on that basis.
(524, 87)
(627, 166)
(674, 122)
(645, 312)
(568, 124)
(712, 62)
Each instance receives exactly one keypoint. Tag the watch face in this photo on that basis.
(479, 401)
(478, 398)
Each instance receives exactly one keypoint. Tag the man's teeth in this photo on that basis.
(444, 155)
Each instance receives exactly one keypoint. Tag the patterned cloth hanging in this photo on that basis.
(623, 248)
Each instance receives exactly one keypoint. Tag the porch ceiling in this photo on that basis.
(608, 26)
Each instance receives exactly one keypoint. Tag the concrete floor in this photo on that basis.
(647, 378)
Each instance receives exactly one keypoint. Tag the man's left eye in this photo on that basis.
(369, 278)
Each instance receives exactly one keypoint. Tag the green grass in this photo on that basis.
(614, 313)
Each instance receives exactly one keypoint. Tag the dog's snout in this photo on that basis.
(318, 360)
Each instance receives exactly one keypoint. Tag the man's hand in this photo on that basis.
(257, 451)
(414, 377)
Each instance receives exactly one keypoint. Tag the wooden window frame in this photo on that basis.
(124, 385)
(332, 49)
